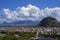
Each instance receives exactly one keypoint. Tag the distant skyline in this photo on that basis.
(35, 10)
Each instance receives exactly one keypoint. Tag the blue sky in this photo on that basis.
(12, 4)
(35, 10)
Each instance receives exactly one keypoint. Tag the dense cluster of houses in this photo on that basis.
(42, 30)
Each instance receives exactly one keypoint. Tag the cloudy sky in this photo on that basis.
(35, 10)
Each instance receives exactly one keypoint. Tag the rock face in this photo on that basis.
(50, 22)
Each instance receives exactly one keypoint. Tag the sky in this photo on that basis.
(35, 10)
(12, 4)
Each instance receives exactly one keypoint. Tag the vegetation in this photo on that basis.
(23, 35)
(17, 35)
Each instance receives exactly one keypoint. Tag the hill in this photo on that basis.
(20, 23)
(50, 22)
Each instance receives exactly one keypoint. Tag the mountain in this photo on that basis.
(27, 22)
(50, 22)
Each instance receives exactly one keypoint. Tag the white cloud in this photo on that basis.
(54, 12)
(30, 12)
